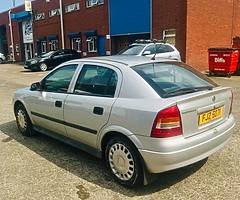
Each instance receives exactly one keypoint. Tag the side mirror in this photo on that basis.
(36, 86)
(145, 53)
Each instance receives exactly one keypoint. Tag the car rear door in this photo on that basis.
(47, 105)
(88, 108)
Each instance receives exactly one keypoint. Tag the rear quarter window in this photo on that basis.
(173, 79)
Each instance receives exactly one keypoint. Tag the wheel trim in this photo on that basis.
(121, 162)
(43, 67)
(21, 119)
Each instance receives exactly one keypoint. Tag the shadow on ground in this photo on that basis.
(89, 168)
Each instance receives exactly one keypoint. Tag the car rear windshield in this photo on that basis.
(173, 79)
(132, 50)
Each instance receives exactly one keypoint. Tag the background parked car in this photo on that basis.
(2, 58)
(51, 59)
(149, 48)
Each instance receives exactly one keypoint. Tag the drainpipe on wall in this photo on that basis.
(109, 24)
(151, 19)
(62, 25)
(11, 36)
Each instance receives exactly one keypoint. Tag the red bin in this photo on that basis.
(223, 61)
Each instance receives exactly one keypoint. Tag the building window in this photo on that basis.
(92, 44)
(43, 47)
(39, 16)
(53, 45)
(54, 12)
(76, 44)
(72, 7)
(91, 3)
(169, 36)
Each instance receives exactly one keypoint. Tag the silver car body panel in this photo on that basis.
(132, 112)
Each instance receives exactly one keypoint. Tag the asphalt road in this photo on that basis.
(43, 168)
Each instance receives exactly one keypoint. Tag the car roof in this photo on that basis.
(126, 60)
(150, 43)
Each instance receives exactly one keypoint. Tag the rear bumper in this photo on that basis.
(177, 156)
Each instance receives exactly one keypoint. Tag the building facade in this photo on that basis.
(85, 25)
(194, 26)
(104, 27)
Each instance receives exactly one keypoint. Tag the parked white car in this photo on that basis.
(149, 49)
(2, 58)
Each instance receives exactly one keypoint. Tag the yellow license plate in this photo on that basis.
(209, 116)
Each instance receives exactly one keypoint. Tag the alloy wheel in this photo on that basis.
(43, 67)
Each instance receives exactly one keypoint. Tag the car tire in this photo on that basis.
(1, 60)
(124, 162)
(43, 67)
(24, 123)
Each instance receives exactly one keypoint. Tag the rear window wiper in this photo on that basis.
(187, 90)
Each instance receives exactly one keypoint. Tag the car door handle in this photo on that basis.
(58, 104)
(98, 110)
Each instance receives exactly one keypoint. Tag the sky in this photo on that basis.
(6, 4)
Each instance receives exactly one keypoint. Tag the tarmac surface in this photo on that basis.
(43, 168)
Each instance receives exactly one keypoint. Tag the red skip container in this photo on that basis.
(223, 61)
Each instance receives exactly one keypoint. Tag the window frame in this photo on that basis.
(56, 10)
(55, 42)
(165, 35)
(39, 16)
(90, 5)
(79, 44)
(92, 40)
(43, 47)
(114, 68)
(77, 6)
(54, 71)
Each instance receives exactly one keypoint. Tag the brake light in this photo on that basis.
(231, 99)
(167, 123)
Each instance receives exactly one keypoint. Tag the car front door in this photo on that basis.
(87, 109)
(57, 59)
(47, 105)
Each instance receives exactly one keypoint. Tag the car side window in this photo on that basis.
(58, 81)
(151, 49)
(96, 81)
(162, 48)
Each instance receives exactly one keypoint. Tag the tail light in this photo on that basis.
(167, 123)
(231, 99)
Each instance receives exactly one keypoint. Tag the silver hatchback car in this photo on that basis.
(142, 116)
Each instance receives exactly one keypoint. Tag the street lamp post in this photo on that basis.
(61, 22)
(11, 32)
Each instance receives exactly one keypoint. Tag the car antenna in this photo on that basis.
(154, 56)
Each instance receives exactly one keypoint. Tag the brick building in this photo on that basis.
(86, 28)
(83, 24)
(103, 27)
(196, 25)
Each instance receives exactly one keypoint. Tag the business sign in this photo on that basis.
(28, 5)
(27, 31)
